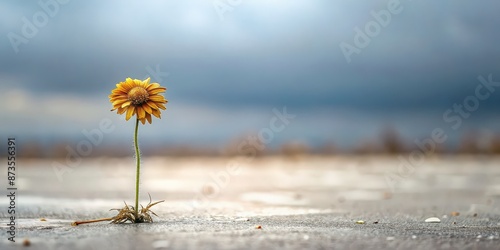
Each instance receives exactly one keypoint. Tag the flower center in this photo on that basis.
(138, 96)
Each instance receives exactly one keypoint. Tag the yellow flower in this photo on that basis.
(139, 98)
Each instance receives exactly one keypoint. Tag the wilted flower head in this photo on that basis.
(136, 97)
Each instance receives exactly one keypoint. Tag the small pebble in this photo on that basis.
(413, 236)
(491, 237)
(433, 220)
(375, 222)
(390, 238)
(479, 236)
(43, 219)
(26, 243)
(454, 213)
(360, 222)
(258, 227)
(445, 216)
(306, 237)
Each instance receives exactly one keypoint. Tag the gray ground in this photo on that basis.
(303, 202)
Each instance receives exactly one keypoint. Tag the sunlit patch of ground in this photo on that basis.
(308, 182)
(306, 201)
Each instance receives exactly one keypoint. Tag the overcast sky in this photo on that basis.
(226, 66)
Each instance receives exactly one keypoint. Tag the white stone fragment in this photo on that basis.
(242, 219)
(433, 220)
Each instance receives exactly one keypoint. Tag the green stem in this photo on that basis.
(138, 171)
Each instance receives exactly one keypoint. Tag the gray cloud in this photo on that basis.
(264, 54)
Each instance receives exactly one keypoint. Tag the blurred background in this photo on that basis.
(357, 76)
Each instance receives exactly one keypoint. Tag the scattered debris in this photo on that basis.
(360, 222)
(43, 219)
(455, 213)
(375, 222)
(475, 215)
(387, 195)
(297, 196)
(207, 190)
(26, 243)
(76, 223)
(258, 227)
(433, 220)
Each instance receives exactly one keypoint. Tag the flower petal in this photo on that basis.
(130, 112)
(119, 102)
(140, 112)
(137, 82)
(148, 117)
(157, 86)
(147, 108)
(156, 91)
(153, 86)
(128, 84)
(146, 81)
(126, 104)
(121, 88)
(121, 110)
(152, 104)
(160, 106)
(157, 98)
(114, 95)
(157, 113)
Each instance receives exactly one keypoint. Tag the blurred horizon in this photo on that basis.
(389, 142)
(431, 65)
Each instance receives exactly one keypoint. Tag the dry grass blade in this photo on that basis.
(127, 213)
